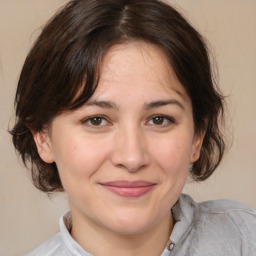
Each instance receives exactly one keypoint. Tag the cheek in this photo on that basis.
(173, 155)
(171, 158)
(77, 159)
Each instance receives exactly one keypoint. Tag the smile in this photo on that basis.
(129, 189)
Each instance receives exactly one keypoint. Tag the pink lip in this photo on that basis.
(129, 188)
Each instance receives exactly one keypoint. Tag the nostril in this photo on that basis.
(130, 151)
(131, 163)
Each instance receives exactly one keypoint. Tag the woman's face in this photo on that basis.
(124, 156)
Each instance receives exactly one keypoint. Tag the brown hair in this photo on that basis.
(60, 72)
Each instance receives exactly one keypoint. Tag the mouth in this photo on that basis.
(129, 188)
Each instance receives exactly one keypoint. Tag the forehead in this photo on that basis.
(138, 58)
(138, 65)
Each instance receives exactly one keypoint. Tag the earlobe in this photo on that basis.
(43, 145)
(196, 147)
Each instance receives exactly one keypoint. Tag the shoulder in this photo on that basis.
(230, 218)
(236, 211)
(225, 206)
(222, 227)
(51, 247)
(240, 215)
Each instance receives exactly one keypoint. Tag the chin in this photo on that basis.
(132, 229)
(130, 224)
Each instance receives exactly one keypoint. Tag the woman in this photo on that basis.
(116, 105)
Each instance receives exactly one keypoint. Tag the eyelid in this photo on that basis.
(169, 118)
(85, 120)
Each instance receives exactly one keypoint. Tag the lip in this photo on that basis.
(129, 188)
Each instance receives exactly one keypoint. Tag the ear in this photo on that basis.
(196, 146)
(43, 144)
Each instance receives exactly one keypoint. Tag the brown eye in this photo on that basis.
(158, 120)
(95, 121)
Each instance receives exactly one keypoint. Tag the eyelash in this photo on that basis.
(88, 121)
(168, 118)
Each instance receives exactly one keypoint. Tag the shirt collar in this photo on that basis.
(184, 213)
(65, 225)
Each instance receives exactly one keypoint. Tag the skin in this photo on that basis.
(143, 131)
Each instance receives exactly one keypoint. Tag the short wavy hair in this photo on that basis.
(60, 73)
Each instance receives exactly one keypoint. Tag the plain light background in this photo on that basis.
(27, 216)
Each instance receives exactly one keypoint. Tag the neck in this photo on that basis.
(101, 242)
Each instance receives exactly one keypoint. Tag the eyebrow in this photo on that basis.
(102, 104)
(147, 106)
(160, 103)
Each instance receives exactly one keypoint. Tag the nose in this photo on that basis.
(130, 151)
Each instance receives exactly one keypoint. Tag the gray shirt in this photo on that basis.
(211, 228)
